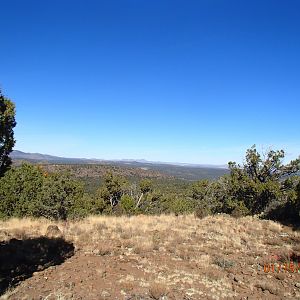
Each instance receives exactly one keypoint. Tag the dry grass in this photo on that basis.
(157, 291)
(168, 233)
(183, 236)
(173, 251)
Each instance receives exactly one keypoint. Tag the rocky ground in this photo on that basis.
(144, 257)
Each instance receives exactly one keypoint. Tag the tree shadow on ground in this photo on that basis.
(294, 225)
(286, 214)
(19, 259)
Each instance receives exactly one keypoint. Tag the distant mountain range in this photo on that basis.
(19, 155)
(45, 158)
(179, 170)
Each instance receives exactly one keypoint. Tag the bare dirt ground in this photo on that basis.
(149, 257)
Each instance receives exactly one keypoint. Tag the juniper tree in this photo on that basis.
(262, 179)
(7, 124)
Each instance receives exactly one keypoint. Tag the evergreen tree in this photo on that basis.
(7, 123)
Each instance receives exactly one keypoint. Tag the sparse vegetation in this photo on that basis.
(151, 257)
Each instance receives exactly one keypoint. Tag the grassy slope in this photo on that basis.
(145, 257)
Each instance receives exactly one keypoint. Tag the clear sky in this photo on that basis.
(187, 81)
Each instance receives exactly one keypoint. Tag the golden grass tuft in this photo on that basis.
(157, 291)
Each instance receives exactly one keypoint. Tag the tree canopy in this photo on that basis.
(265, 167)
(7, 124)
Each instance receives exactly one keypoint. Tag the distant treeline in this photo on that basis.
(132, 169)
(263, 185)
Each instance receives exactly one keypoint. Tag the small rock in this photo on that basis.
(297, 284)
(237, 278)
(53, 232)
(40, 267)
(284, 234)
(105, 294)
(96, 251)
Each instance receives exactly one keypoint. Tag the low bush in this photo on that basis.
(27, 191)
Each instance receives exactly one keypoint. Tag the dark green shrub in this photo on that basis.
(209, 196)
(240, 210)
(58, 194)
(85, 206)
(146, 186)
(181, 206)
(29, 191)
(19, 191)
(287, 209)
(127, 204)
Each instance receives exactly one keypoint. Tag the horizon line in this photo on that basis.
(128, 159)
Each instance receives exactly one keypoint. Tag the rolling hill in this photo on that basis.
(179, 170)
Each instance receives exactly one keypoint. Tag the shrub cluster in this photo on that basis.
(261, 186)
(29, 191)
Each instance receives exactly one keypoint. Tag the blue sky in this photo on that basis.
(186, 81)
